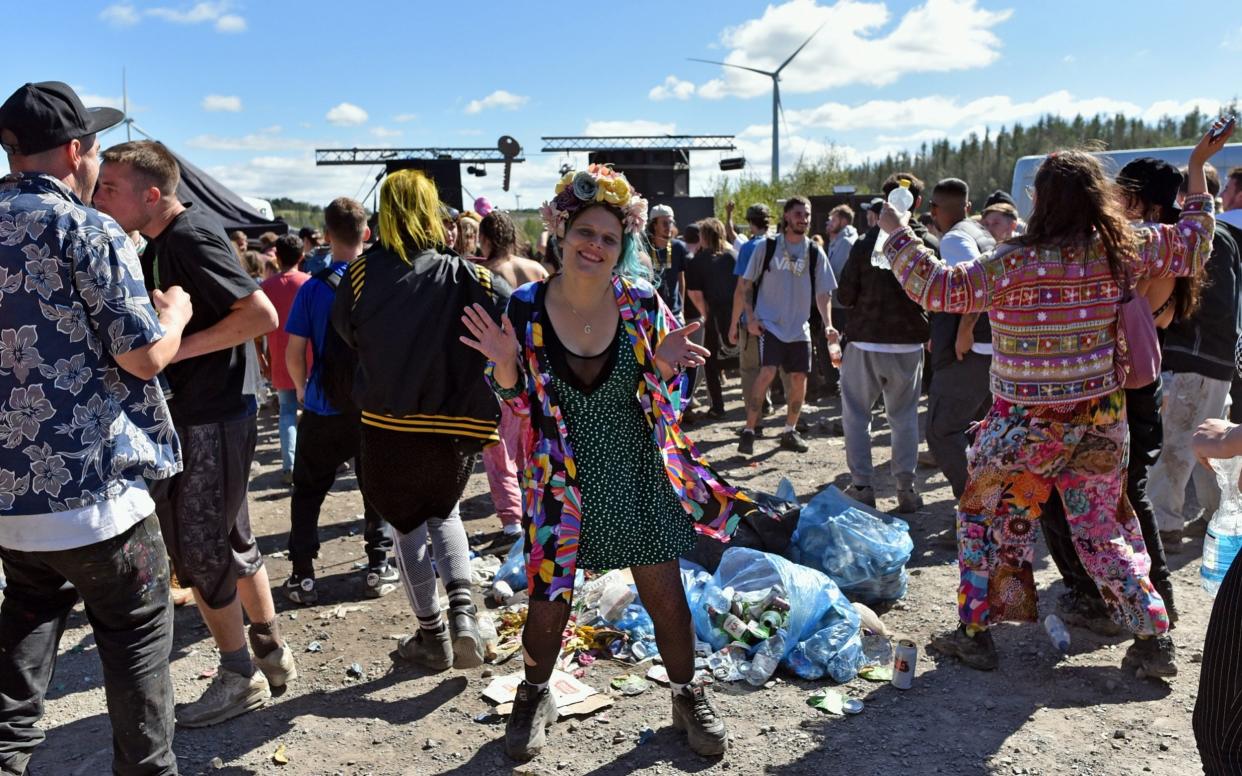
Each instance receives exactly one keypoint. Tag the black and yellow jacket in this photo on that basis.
(404, 319)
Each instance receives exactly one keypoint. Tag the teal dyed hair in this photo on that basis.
(629, 265)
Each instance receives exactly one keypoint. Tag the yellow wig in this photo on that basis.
(409, 213)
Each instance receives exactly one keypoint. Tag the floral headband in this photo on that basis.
(598, 184)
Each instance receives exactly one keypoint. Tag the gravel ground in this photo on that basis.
(1038, 714)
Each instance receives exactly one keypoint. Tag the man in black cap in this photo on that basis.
(81, 344)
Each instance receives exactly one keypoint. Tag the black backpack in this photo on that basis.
(337, 364)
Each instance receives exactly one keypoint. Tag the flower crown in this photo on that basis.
(598, 184)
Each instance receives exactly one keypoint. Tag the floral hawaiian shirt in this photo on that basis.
(75, 427)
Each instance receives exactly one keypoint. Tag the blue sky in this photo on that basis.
(247, 90)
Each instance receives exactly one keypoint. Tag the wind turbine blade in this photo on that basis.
(768, 73)
(141, 131)
(799, 49)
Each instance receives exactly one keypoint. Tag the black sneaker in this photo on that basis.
(1088, 612)
(381, 580)
(432, 650)
(467, 641)
(301, 590)
(747, 444)
(792, 440)
(1155, 657)
(716, 413)
(694, 712)
(978, 651)
(527, 729)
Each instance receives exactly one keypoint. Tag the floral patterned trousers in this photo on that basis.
(1019, 455)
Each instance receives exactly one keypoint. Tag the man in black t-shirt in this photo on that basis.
(668, 258)
(202, 511)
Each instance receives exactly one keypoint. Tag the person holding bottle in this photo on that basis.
(1058, 422)
(1220, 680)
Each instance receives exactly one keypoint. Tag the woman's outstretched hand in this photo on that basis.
(496, 342)
(676, 351)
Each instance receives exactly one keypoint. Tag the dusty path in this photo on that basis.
(1036, 715)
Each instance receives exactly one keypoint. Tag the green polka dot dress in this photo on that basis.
(631, 515)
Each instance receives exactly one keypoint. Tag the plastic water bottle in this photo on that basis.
(1224, 532)
(1057, 632)
(902, 200)
(766, 658)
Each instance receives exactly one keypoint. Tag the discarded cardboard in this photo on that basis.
(573, 698)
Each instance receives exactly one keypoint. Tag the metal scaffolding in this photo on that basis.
(328, 156)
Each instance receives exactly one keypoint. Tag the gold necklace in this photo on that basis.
(586, 325)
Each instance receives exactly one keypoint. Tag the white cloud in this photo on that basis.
(230, 23)
(101, 101)
(293, 176)
(222, 103)
(938, 36)
(120, 15)
(385, 132)
(497, 99)
(672, 88)
(214, 13)
(1069, 59)
(637, 127)
(940, 112)
(266, 139)
(346, 115)
(402, 118)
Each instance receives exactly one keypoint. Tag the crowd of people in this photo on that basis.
(137, 337)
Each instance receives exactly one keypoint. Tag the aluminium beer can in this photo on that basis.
(905, 658)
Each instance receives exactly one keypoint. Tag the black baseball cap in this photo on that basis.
(48, 114)
(999, 196)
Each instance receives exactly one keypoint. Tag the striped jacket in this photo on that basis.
(404, 319)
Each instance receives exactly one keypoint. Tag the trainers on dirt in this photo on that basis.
(1087, 612)
(863, 494)
(747, 444)
(1154, 657)
(278, 666)
(792, 440)
(467, 641)
(229, 695)
(527, 729)
(978, 651)
(430, 650)
(381, 580)
(908, 500)
(301, 590)
(694, 712)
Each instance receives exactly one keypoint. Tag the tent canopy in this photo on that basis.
(210, 194)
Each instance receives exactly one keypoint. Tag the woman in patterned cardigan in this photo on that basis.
(595, 359)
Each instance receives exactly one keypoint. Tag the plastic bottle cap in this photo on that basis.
(905, 184)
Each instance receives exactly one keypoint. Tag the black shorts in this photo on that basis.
(203, 511)
(790, 356)
(412, 477)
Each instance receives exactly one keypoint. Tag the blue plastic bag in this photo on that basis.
(513, 570)
(823, 627)
(864, 553)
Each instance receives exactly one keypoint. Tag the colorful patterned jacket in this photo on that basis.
(551, 498)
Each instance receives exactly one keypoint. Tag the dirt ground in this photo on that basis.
(1037, 714)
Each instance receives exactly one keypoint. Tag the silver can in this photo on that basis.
(905, 659)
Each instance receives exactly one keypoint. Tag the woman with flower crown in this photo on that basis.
(595, 359)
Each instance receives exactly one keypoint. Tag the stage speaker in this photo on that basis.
(653, 173)
(444, 172)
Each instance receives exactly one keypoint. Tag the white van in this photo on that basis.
(1024, 169)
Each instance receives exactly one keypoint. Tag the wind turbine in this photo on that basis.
(775, 75)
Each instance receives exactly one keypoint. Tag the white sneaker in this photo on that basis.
(229, 695)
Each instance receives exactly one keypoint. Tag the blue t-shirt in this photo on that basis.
(310, 318)
(743, 261)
